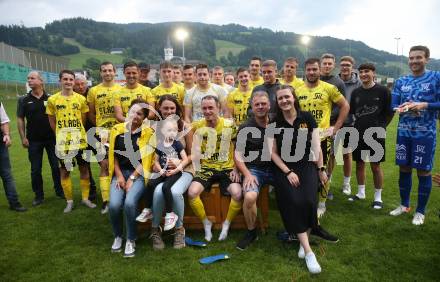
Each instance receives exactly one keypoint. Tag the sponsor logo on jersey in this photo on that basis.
(400, 152)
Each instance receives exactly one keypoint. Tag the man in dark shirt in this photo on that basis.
(143, 77)
(256, 171)
(371, 106)
(37, 136)
(82, 88)
(270, 85)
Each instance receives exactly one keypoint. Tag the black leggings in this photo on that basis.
(168, 182)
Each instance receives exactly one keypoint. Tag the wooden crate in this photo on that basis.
(216, 208)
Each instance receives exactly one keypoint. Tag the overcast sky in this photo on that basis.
(375, 22)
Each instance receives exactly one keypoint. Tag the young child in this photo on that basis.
(168, 150)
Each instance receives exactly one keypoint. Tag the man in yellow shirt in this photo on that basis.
(254, 70)
(67, 112)
(102, 115)
(318, 97)
(132, 90)
(289, 73)
(238, 100)
(212, 149)
(167, 86)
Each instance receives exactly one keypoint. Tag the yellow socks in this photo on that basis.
(198, 208)
(66, 183)
(84, 184)
(234, 209)
(104, 184)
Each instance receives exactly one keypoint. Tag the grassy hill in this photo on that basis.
(222, 48)
(77, 60)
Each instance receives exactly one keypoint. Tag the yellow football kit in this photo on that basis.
(238, 101)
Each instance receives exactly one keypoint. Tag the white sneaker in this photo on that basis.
(399, 210)
(301, 252)
(170, 221)
(312, 263)
(207, 225)
(418, 219)
(346, 189)
(69, 206)
(104, 209)
(129, 249)
(88, 203)
(321, 209)
(117, 245)
(224, 232)
(145, 215)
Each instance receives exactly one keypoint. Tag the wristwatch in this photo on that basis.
(132, 177)
(321, 168)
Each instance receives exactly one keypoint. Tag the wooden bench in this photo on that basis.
(216, 208)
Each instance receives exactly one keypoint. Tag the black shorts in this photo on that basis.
(326, 146)
(362, 146)
(69, 161)
(207, 177)
(101, 150)
(345, 142)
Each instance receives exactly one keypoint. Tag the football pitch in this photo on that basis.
(43, 244)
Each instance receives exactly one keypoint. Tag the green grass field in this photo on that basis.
(222, 48)
(77, 60)
(44, 244)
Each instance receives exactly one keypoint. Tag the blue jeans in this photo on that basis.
(264, 176)
(127, 202)
(5, 174)
(178, 189)
(35, 155)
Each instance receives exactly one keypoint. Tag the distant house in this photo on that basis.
(115, 51)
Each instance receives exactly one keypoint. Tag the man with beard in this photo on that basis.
(416, 97)
(144, 70)
(132, 90)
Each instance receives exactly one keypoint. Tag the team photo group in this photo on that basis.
(258, 127)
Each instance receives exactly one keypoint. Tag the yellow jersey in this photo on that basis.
(295, 83)
(125, 96)
(319, 101)
(238, 101)
(103, 99)
(216, 145)
(176, 90)
(67, 110)
(253, 83)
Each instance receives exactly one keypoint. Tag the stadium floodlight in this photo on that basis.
(181, 35)
(305, 40)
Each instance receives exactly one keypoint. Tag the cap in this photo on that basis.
(143, 65)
